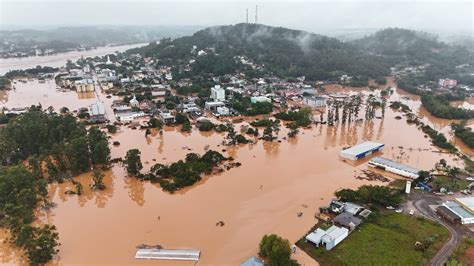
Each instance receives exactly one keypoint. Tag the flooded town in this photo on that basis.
(224, 148)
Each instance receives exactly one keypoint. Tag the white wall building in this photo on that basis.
(330, 238)
(223, 111)
(218, 93)
(394, 167)
(315, 102)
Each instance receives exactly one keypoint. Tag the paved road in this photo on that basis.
(422, 202)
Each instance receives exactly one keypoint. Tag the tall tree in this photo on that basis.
(133, 162)
(99, 146)
(79, 156)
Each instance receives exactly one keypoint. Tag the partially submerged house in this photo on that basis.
(253, 261)
(394, 167)
(361, 150)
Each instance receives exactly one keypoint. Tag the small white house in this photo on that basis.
(223, 111)
(330, 238)
(213, 105)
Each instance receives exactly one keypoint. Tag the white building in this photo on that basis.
(218, 93)
(394, 167)
(315, 102)
(223, 111)
(447, 83)
(97, 109)
(260, 99)
(362, 150)
(134, 102)
(129, 116)
(330, 238)
(213, 105)
(463, 208)
(84, 85)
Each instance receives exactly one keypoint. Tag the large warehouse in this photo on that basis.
(394, 167)
(362, 150)
(461, 207)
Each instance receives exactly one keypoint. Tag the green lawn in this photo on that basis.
(388, 239)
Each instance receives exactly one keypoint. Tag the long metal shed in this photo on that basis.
(168, 254)
(394, 167)
(361, 150)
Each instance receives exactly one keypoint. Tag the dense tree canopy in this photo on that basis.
(276, 251)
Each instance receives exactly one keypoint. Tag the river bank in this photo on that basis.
(59, 60)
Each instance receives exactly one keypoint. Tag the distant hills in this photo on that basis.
(65, 38)
(295, 53)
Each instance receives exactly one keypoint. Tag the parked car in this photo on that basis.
(399, 210)
(450, 193)
(390, 208)
(470, 178)
(412, 212)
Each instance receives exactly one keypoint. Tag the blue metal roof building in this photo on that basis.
(362, 150)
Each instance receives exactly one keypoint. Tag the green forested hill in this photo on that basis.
(292, 53)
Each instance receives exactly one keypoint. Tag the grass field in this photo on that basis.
(459, 257)
(389, 239)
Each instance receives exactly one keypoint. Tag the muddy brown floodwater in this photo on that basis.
(263, 196)
(59, 60)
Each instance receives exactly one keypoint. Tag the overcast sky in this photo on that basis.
(315, 16)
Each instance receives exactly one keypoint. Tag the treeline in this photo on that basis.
(368, 194)
(300, 118)
(285, 52)
(21, 192)
(59, 140)
(464, 133)
(438, 139)
(411, 48)
(179, 174)
(439, 106)
(30, 71)
(244, 106)
(54, 147)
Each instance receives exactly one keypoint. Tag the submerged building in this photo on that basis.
(362, 150)
(394, 167)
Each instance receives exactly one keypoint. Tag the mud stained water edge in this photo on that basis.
(59, 60)
(264, 195)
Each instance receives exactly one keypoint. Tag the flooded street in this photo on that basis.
(47, 94)
(60, 59)
(263, 196)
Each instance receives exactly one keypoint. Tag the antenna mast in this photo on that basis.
(256, 14)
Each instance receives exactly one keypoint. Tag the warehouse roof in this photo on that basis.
(362, 148)
(467, 203)
(458, 209)
(395, 165)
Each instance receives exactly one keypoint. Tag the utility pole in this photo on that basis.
(247, 16)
